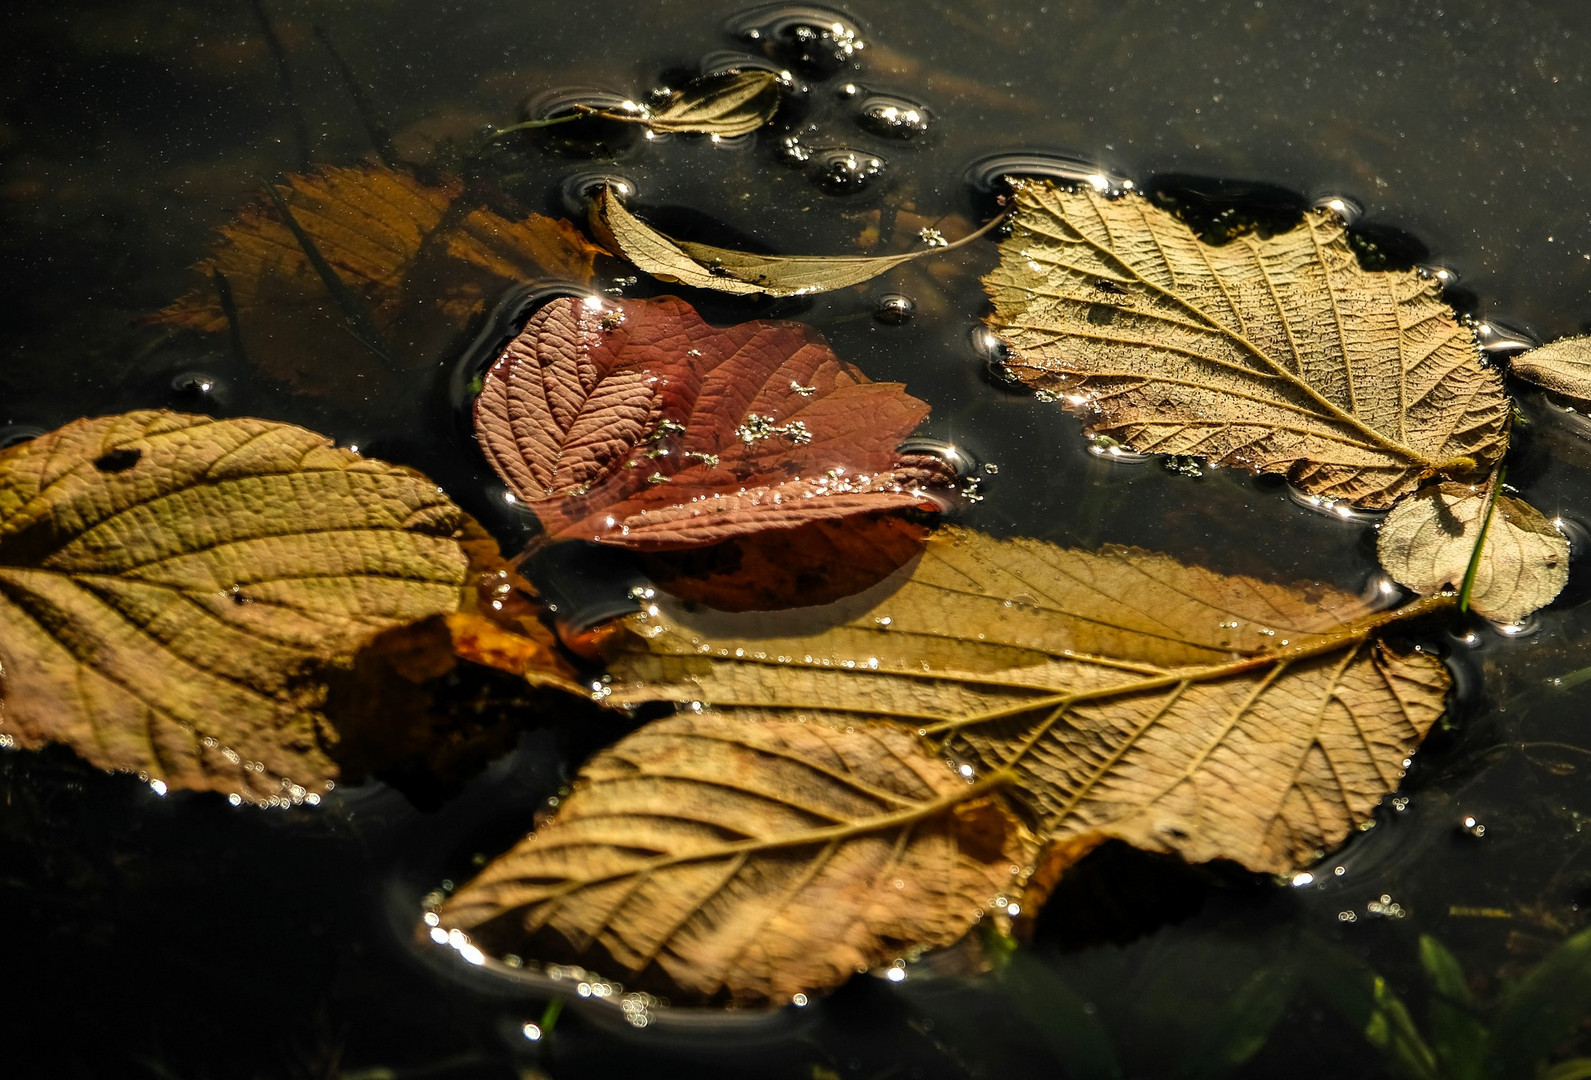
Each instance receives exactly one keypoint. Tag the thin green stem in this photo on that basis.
(1480, 541)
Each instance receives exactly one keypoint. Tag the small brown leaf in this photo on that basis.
(738, 272)
(1273, 355)
(726, 104)
(722, 860)
(356, 266)
(636, 423)
(174, 589)
(1426, 542)
(1173, 708)
(1562, 366)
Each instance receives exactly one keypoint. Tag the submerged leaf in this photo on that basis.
(751, 862)
(173, 588)
(739, 272)
(1170, 707)
(1562, 366)
(1426, 543)
(635, 423)
(1274, 355)
(343, 269)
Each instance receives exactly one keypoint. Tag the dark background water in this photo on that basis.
(179, 937)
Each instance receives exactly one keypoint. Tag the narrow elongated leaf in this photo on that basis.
(1174, 708)
(172, 589)
(636, 423)
(1562, 366)
(1274, 355)
(1426, 542)
(729, 104)
(724, 860)
(740, 272)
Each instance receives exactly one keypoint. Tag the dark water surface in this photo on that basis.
(177, 937)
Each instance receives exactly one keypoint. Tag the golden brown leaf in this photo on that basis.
(740, 273)
(173, 589)
(728, 104)
(1274, 355)
(1426, 543)
(718, 859)
(411, 264)
(1562, 366)
(1171, 707)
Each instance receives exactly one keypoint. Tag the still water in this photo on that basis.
(178, 937)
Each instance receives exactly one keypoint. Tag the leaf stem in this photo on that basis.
(1480, 541)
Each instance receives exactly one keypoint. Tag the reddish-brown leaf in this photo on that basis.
(636, 423)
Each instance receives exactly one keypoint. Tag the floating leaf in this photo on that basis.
(739, 272)
(1274, 355)
(636, 423)
(1170, 707)
(724, 860)
(727, 104)
(1562, 366)
(1426, 542)
(173, 590)
(343, 269)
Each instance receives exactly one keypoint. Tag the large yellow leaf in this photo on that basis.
(1132, 697)
(717, 859)
(173, 587)
(1275, 354)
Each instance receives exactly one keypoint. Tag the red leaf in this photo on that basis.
(636, 423)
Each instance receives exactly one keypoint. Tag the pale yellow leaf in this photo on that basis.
(1426, 542)
(721, 860)
(730, 104)
(1131, 696)
(1562, 366)
(1276, 354)
(172, 586)
(738, 272)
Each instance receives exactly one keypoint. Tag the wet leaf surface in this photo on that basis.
(636, 423)
(1273, 355)
(341, 274)
(741, 273)
(729, 104)
(721, 860)
(1426, 543)
(1176, 709)
(1562, 366)
(175, 589)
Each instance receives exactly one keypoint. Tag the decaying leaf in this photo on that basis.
(718, 859)
(1173, 708)
(1274, 355)
(346, 269)
(174, 588)
(739, 272)
(1562, 366)
(635, 423)
(1426, 542)
(728, 104)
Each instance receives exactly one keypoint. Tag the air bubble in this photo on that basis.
(199, 389)
(958, 459)
(892, 117)
(1500, 339)
(578, 190)
(991, 175)
(844, 171)
(1471, 826)
(12, 434)
(1349, 210)
(1439, 274)
(895, 309)
(820, 40)
(1340, 509)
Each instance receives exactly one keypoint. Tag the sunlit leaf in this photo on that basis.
(1275, 354)
(728, 104)
(739, 272)
(175, 589)
(635, 423)
(1562, 366)
(721, 860)
(1135, 698)
(1426, 542)
(343, 272)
